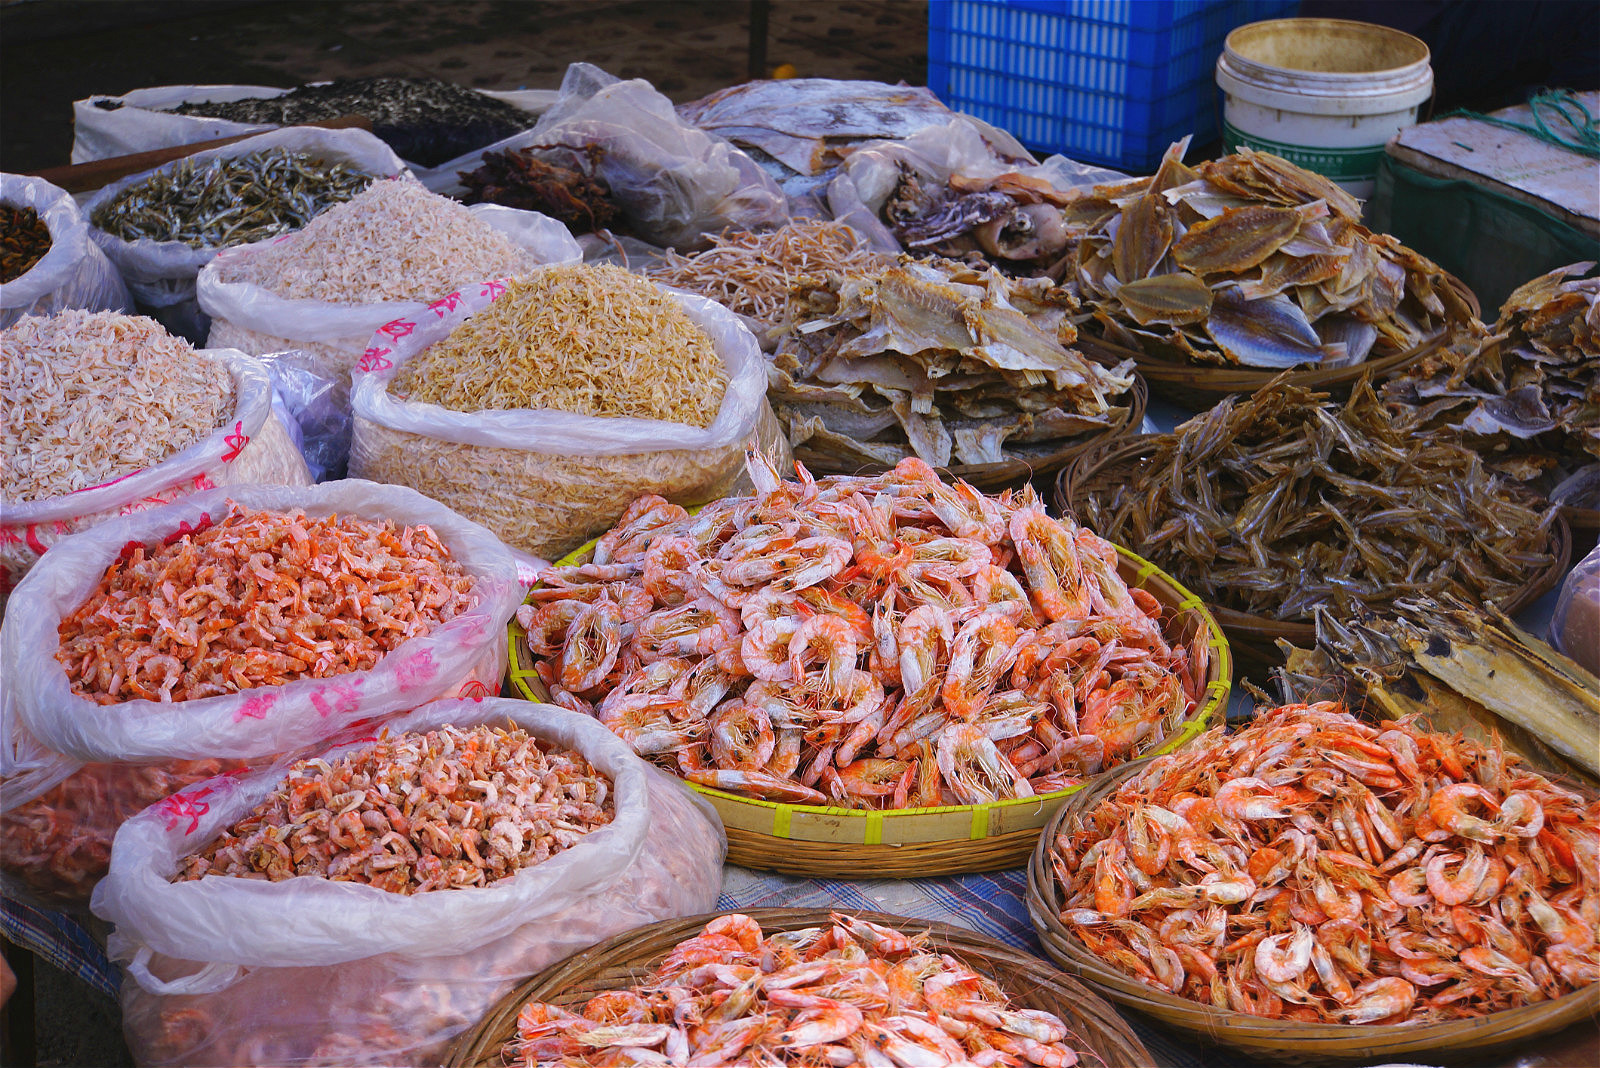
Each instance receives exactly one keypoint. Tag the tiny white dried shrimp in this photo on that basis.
(1321, 869)
(258, 599)
(853, 993)
(894, 640)
(417, 812)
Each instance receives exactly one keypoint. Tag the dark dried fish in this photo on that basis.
(518, 178)
(24, 239)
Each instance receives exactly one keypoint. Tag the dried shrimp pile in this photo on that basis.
(589, 340)
(754, 273)
(1280, 502)
(853, 993)
(417, 812)
(258, 599)
(24, 239)
(92, 396)
(1316, 868)
(938, 362)
(1253, 261)
(892, 641)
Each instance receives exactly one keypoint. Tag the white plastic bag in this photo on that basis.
(74, 273)
(674, 182)
(463, 655)
(226, 970)
(251, 446)
(161, 274)
(546, 480)
(1575, 624)
(257, 320)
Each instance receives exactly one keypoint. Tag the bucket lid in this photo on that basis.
(1326, 65)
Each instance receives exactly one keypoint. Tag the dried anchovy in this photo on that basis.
(520, 179)
(1283, 501)
(24, 239)
(423, 119)
(224, 202)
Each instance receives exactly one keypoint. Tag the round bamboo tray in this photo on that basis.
(627, 959)
(1196, 385)
(822, 840)
(991, 478)
(1281, 1040)
(1254, 638)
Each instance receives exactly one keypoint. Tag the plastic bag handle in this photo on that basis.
(211, 979)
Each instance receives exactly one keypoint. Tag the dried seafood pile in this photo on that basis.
(518, 178)
(1529, 399)
(257, 599)
(1249, 260)
(24, 239)
(853, 993)
(937, 362)
(417, 812)
(892, 641)
(1315, 868)
(1280, 502)
(222, 202)
(1012, 218)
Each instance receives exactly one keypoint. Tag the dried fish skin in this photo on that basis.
(1236, 240)
(1171, 299)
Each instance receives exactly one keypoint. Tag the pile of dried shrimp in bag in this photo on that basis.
(940, 362)
(853, 993)
(1282, 501)
(893, 641)
(1249, 260)
(258, 598)
(417, 812)
(1317, 868)
(1529, 398)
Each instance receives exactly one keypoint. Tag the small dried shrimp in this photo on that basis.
(853, 993)
(417, 812)
(1317, 868)
(258, 599)
(879, 642)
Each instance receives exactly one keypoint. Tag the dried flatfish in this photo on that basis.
(1271, 332)
(1167, 298)
(1143, 238)
(1236, 240)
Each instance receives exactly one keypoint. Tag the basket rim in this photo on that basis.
(871, 822)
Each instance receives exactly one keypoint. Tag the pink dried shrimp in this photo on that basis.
(853, 993)
(881, 642)
(258, 599)
(59, 843)
(1317, 868)
(417, 812)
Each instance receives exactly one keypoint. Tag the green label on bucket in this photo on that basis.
(1339, 164)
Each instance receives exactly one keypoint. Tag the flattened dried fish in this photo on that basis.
(1166, 298)
(1236, 240)
(1143, 238)
(1271, 332)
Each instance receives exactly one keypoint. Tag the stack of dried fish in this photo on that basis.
(1249, 260)
(518, 178)
(24, 239)
(224, 202)
(940, 362)
(1529, 399)
(1282, 502)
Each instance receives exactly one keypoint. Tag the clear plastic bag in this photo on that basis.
(1575, 626)
(674, 182)
(252, 446)
(74, 273)
(546, 481)
(465, 655)
(306, 971)
(161, 274)
(319, 407)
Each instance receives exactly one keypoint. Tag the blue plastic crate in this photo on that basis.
(1104, 81)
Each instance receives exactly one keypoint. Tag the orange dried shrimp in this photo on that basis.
(417, 812)
(1317, 868)
(893, 641)
(258, 599)
(853, 993)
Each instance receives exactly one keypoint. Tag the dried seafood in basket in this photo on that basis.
(24, 239)
(1012, 217)
(416, 812)
(1276, 503)
(877, 642)
(518, 178)
(1251, 261)
(938, 362)
(855, 992)
(1529, 398)
(1316, 868)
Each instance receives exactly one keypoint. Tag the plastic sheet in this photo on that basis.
(74, 273)
(319, 407)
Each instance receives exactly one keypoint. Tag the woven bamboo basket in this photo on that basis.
(820, 840)
(1195, 385)
(1253, 638)
(1281, 1040)
(991, 478)
(623, 961)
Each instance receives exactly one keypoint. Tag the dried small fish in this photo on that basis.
(24, 239)
(518, 178)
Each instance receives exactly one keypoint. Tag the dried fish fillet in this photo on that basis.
(1236, 240)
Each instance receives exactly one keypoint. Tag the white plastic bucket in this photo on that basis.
(1326, 94)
